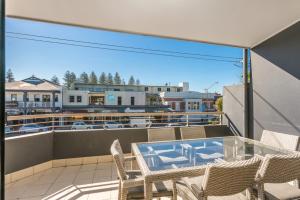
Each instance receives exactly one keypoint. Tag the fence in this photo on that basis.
(23, 124)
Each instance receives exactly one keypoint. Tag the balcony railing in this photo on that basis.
(23, 124)
(30, 104)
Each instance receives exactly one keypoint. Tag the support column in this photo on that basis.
(2, 97)
(246, 93)
(53, 102)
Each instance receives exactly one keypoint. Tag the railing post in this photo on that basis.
(187, 120)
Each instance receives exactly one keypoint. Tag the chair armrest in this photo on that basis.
(133, 182)
(132, 174)
(129, 158)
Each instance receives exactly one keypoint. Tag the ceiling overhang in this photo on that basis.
(242, 23)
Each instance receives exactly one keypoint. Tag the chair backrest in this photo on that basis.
(192, 132)
(279, 168)
(118, 157)
(280, 140)
(161, 134)
(230, 178)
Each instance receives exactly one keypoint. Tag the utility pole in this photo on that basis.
(246, 93)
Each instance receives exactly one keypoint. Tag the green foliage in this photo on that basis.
(117, 79)
(69, 79)
(219, 104)
(9, 76)
(84, 77)
(110, 80)
(131, 81)
(55, 80)
(93, 78)
(138, 82)
(102, 78)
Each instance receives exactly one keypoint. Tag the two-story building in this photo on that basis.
(189, 101)
(32, 95)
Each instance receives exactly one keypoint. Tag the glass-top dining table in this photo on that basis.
(171, 160)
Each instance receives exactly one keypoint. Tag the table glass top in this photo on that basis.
(189, 153)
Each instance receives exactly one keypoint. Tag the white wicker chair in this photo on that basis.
(192, 132)
(275, 172)
(161, 134)
(227, 179)
(131, 184)
(280, 140)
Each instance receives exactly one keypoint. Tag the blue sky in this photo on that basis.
(44, 60)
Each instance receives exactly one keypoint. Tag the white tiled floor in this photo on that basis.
(86, 182)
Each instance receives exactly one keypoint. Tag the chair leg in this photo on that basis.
(260, 191)
(174, 190)
(250, 194)
(124, 193)
(120, 190)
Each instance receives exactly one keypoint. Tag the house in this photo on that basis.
(32, 95)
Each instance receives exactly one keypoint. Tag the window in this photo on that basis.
(13, 97)
(56, 98)
(71, 99)
(79, 99)
(36, 98)
(146, 89)
(168, 89)
(132, 101)
(119, 101)
(159, 89)
(178, 90)
(46, 98)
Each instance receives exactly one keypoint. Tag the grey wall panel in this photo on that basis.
(23, 152)
(276, 83)
(233, 107)
(95, 142)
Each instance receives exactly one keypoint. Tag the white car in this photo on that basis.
(112, 125)
(32, 128)
(173, 125)
(80, 126)
(136, 122)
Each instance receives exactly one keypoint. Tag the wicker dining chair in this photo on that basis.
(226, 179)
(131, 183)
(192, 132)
(161, 134)
(281, 140)
(275, 173)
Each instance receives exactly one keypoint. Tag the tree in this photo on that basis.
(102, 78)
(10, 76)
(219, 104)
(73, 78)
(131, 81)
(110, 79)
(123, 82)
(67, 79)
(93, 78)
(138, 82)
(84, 77)
(117, 79)
(55, 80)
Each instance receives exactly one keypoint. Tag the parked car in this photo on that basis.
(33, 128)
(80, 125)
(7, 130)
(173, 125)
(136, 122)
(112, 124)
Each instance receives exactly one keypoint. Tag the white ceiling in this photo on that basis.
(243, 23)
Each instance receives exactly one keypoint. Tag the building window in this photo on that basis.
(56, 98)
(146, 89)
(159, 89)
(14, 97)
(168, 89)
(71, 99)
(46, 98)
(36, 98)
(178, 90)
(119, 101)
(79, 99)
(132, 101)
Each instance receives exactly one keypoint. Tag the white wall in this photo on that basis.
(84, 97)
(111, 98)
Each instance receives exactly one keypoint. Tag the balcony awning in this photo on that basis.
(243, 23)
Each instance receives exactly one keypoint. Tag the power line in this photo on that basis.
(124, 50)
(121, 46)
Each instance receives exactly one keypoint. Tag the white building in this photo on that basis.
(189, 101)
(124, 98)
(32, 95)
